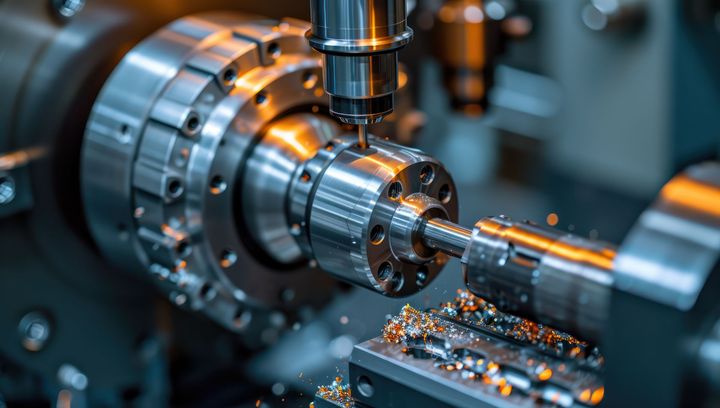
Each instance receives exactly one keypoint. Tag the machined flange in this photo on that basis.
(164, 156)
(366, 210)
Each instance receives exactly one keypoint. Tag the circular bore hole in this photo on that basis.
(365, 386)
(124, 129)
(421, 276)
(397, 281)
(377, 235)
(193, 123)
(445, 195)
(385, 270)
(175, 188)
(242, 318)
(274, 50)
(329, 146)
(305, 177)
(261, 98)
(395, 190)
(309, 80)
(229, 76)
(427, 174)
(218, 185)
(183, 249)
(228, 258)
(207, 291)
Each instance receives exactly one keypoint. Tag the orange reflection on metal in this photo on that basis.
(602, 258)
(699, 196)
(597, 396)
(545, 375)
(9, 161)
(290, 137)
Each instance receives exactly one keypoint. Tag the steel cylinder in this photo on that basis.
(543, 274)
(359, 40)
(365, 212)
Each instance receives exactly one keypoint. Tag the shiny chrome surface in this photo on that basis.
(359, 40)
(674, 247)
(405, 240)
(543, 274)
(446, 236)
(358, 26)
(173, 128)
(352, 210)
(283, 147)
(546, 275)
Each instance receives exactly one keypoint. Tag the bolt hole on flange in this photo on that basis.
(309, 80)
(242, 317)
(444, 194)
(218, 185)
(385, 270)
(261, 98)
(365, 386)
(274, 51)
(305, 177)
(193, 123)
(207, 291)
(395, 190)
(228, 258)
(174, 188)
(397, 281)
(229, 76)
(377, 235)
(427, 174)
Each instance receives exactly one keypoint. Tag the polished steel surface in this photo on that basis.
(352, 210)
(543, 274)
(405, 240)
(273, 163)
(358, 26)
(359, 40)
(173, 128)
(446, 236)
(673, 248)
(546, 275)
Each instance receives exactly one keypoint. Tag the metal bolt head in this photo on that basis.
(34, 329)
(7, 189)
(67, 8)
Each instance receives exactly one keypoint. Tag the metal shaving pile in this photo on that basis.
(471, 309)
(337, 393)
(410, 324)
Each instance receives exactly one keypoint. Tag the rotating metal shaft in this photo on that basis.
(540, 273)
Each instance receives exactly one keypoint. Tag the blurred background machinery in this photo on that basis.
(182, 219)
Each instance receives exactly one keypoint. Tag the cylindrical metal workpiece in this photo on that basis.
(364, 212)
(543, 274)
(446, 236)
(273, 162)
(359, 40)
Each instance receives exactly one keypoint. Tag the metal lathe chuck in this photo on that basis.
(211, 165)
